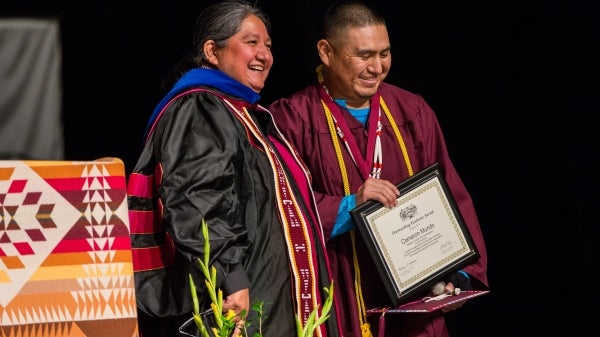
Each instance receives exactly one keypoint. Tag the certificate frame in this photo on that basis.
(420, 240)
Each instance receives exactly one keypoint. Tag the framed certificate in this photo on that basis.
(419, 241)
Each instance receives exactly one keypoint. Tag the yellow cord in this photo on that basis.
(362, 314)
(338, 150)
(365, 327)
(398, 136)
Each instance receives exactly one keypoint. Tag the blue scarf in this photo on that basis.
(204, 77)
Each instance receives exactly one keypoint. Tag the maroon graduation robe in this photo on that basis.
(302, 120)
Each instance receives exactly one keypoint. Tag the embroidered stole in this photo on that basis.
(296, 230)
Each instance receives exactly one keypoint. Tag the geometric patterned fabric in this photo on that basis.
(65, 251)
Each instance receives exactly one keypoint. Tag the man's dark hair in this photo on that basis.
(348, 14)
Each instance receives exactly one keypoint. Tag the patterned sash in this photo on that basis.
(295, 227)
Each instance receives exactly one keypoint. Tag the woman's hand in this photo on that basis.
(238, 302)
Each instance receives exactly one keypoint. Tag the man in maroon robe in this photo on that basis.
(360, 137)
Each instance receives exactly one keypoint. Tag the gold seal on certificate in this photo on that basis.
(418, 241)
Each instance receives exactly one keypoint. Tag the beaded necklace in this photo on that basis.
(374, 150)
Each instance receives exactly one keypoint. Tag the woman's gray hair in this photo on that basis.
(217, 22)
(221, 21)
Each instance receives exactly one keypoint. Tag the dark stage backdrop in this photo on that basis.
(513, 84)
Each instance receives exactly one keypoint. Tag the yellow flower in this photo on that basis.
(230, 314)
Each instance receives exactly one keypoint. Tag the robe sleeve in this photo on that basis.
(197, 153)
(436, 149)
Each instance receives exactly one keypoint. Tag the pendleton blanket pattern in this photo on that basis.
(65, 251)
